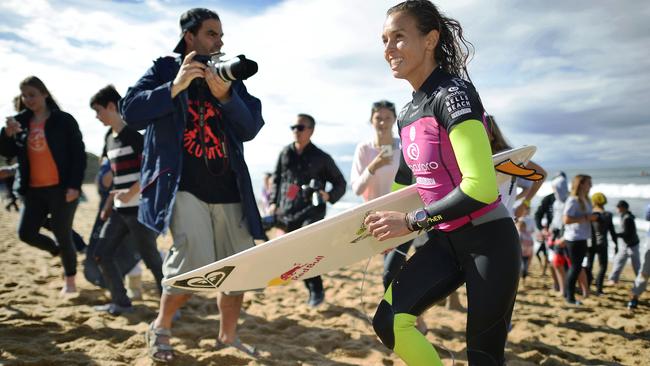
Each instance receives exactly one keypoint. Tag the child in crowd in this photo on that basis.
(526, 240)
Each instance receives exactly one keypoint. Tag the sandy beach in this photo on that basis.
(39, 328)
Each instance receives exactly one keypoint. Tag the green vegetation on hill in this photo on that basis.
(92, 167)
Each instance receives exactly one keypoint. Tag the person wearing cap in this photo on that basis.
(641, 281)
(601, 226)
(194, 178)
(631, 240)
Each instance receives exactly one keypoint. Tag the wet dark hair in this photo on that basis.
(312, 121)
(498, 142)
(382, 104)
(37, 83)
(452, 51)
(105, 95)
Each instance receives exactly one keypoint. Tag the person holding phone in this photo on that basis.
(374, 166)
(375, 162)
(51, 162)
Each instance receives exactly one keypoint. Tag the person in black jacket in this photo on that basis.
(601, 226)
(51, 162)
(631, 240)
(298, 196)
(545, 209)
(641, 281)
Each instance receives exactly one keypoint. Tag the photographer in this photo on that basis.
(194, 178)
(298, 196)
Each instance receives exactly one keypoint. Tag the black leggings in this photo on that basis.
(487, 258)
(577, 250)
(542, 250)
(38, 203)
(601, 252)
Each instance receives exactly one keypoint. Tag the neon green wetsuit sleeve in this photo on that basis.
(396, 186)
(474, 156)
(478, 186)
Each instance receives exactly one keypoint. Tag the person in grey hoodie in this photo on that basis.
(631, 240)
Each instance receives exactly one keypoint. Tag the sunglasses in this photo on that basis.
(300, 128)
(383, 104)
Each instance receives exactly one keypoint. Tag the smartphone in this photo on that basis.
(386, 151)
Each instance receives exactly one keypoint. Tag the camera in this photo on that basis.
(236, 68)
(269, 222)
(313, 190)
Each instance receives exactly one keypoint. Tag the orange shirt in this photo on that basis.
(42, 168)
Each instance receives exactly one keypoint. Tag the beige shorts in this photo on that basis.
(203, 233)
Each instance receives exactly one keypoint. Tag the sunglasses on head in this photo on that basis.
(298, 127)
(383, 104)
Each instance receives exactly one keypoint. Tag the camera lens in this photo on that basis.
(237, 68)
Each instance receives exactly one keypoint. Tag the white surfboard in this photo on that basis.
(321, 247)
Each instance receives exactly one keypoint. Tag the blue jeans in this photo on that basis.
(111, 239)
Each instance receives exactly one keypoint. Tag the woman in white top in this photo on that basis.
(376, 160)
(373, 172)
(577, 220)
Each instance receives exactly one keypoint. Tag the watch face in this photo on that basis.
(420, 215)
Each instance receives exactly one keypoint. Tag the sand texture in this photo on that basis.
(39, 328)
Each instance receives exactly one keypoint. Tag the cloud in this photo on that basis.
(571, 78)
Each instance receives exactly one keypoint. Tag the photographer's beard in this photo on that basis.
(202, 43)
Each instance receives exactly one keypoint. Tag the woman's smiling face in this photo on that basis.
(405, 47)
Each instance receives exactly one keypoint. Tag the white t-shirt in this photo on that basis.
(509, 196)
(371, 186)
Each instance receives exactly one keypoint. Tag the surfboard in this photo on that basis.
(324, 246)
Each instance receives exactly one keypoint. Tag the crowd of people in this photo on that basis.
(187, 173)
(573, 230)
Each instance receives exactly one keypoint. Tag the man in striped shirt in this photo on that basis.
(124, 150)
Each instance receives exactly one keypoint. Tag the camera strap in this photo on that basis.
(219, 132)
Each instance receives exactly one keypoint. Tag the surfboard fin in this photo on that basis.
(510, 168)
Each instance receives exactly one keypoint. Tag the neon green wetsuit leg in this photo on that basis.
(411, 345)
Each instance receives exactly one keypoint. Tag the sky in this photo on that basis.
(571, 77)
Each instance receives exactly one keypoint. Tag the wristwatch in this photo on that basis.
(418, 220)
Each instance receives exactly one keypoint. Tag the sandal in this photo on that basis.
(158, 347)
(239, 345)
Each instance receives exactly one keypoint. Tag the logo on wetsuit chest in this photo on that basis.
(413, 153)
(412, 150)
(457, 102)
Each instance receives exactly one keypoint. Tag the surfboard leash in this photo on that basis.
(363, 305)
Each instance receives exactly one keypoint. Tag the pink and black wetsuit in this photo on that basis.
(446, 149)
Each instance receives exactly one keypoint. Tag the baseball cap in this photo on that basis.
(190, 19)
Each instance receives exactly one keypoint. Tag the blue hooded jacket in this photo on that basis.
(149, 105)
